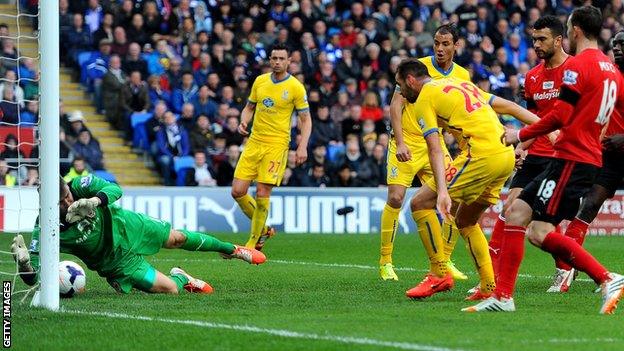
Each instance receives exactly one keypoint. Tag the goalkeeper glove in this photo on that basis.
(20, 252)
(81, 209)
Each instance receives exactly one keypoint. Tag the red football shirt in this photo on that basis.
(541, 89)
(616, 123)
(591, 90)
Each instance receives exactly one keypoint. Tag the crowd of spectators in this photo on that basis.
(190, 64)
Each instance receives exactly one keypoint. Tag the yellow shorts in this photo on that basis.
(262, 163)
(478, 179)
(403, 173)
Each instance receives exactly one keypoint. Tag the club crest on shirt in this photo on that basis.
(421, 123)
(548, 85)
(86, 181)
(394, 172)
(268, 102)
(285, 95)
(569, 77)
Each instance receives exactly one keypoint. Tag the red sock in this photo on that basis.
(559, 263)
(576, 230)
(575, 255)
(495, 242)
(512, 252)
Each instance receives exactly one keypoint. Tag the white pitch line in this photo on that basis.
(346, 265)
(276, 332)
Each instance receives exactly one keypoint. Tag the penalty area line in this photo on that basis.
(275, 332)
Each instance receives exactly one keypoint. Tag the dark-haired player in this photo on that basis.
(612, 171)
(407, 153)
(271, 102)
(591, 90)
(541, 89)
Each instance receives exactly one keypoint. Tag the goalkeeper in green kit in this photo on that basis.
(114, 241)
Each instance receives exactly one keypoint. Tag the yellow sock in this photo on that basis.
(431, 235)
(450, 234)
(248, 205)
(389, 223)
(258, 220)
(478, 247)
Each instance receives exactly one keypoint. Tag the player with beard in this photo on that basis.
(407, 153)
(541, 90)
(612, 171)
(592, 88)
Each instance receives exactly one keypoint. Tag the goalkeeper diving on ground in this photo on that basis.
(114, 242)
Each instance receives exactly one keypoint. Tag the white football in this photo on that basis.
(72, 279)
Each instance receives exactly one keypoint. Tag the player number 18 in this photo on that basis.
(609, 96)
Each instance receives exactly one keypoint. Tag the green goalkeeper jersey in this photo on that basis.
(93, 239)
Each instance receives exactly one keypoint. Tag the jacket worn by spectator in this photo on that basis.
(173, 141)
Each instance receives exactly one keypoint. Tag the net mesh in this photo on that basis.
(19, 125)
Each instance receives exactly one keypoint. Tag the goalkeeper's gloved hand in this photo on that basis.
(81, 209)
(20, 252)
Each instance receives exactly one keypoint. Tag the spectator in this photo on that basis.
(353, 125)
(89, 149)
(186, 93)
(9, 107)
(232, 136)
(187, 117)
(319, 156)
(6, 178)
(225, 174)
(203, 103)
(516, 50)
(106, 29)
(316, 177)
(361, 168)
(137, 30)
(78, 169)
(112, 86)
(202, 19)
(12, 151)
(340, 110)
(134, 62)
(200, 174)
(173, 142)
(347, 67)
(344, 178)
(32, 177)
(380, 170)
(201, 134)
(156, 92)
(93, 15)
(324, 130)
(78, 39)
(10, 82)
(204, 68)
(9, 58)
(370, 108)
(31, 115)
(155, 124)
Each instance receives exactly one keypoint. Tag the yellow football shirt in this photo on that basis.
(275, 102)
(413, 134)
(464, 110)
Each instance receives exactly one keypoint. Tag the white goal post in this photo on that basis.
(49, 154)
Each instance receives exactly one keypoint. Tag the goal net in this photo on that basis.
(29, 157)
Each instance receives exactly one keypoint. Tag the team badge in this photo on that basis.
(569, 77)
(285, 95)
(268, 102)
(394, 172)
(548, 85)
(421, 123)
(86, 181)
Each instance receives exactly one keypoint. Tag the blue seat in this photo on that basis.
(106, 176)
(333, 151)
(139, 136)
(181, 166)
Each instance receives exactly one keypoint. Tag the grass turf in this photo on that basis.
(326, 288)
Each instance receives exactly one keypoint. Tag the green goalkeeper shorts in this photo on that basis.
(141, 234)
(134, 272)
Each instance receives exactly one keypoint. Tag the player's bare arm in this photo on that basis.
(436, 158)
(504, 106)
(305, 123)
(403, 153)
(246, 117)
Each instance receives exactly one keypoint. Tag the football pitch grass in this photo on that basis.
(322, 292)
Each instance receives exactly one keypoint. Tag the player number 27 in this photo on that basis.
(470, 92)
(274, 166)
